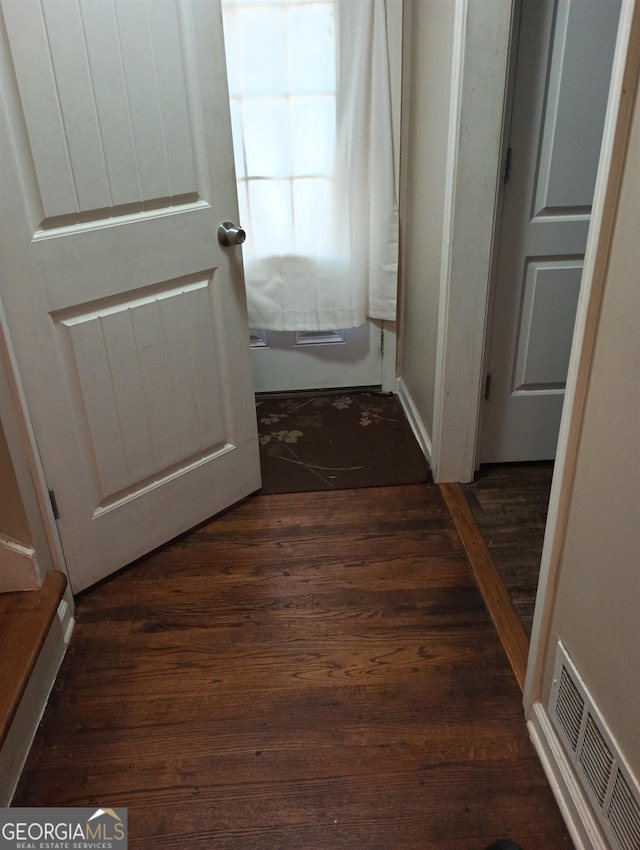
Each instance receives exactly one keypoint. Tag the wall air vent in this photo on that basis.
(624, 815)
(569, 709)
(595, 756)
(596, 760)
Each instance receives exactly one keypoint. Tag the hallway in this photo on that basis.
(313, 671)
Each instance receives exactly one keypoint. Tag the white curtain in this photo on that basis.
(311, 113)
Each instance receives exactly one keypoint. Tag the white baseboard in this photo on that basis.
(415, 420)
(17, 744)
(572, 801)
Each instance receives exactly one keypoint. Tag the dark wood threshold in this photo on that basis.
(25, 620)
(506, 620)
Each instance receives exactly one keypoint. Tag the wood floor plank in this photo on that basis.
(301, 673)
(509, 503)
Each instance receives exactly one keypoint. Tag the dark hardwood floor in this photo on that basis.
(509, 503)
(307, 672)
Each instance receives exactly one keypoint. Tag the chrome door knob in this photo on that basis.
(230, 234)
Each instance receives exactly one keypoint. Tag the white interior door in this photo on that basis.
(127, 318)
(303, 360)
(565, 53)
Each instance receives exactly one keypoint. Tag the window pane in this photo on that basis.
(312, 214)
(270, 211)
(266, 137)
(243, 208)
(313, 132)
(236, 129)
(261, 49)
(282, 75)
(311, 65)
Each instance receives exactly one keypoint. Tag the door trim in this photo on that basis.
(481, 50)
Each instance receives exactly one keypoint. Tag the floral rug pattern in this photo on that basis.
(324, 442)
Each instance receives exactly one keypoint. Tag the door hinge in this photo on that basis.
(54, 504)
(487, 387)
(507, 166)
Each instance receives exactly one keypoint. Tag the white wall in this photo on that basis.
(459, 51)
(597, 607)
(13, 518)
(428, 53)
(18, 570)
(589, 589)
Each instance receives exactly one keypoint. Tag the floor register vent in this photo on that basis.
(595, 756)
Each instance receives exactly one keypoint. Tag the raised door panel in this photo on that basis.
(550, 300)
(571, 134)
(146, 386)
(109, 106)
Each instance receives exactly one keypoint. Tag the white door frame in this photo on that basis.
(481, 51)
(483, 35)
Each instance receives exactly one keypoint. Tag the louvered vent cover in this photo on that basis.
(569, 708)
(624, 815)
(596, 758)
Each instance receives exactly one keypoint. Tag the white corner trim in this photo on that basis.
(455, 110)
(67, 620)
(573, 804)
(415, 420)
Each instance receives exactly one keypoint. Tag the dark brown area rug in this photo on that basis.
(326, 442)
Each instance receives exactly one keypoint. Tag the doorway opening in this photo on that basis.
(311, 87)
(562, 55)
